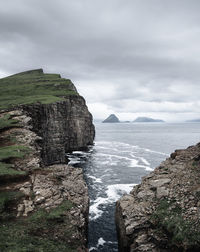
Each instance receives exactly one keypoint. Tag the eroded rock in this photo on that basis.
(162, 213)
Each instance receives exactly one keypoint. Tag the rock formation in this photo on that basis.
(111, 119)
(162, 213)
(44, 203)
(69, 127)
(147, 119)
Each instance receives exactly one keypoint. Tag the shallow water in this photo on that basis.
(122, 154)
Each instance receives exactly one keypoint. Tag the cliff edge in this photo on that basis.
(44, 202)
(162, 213)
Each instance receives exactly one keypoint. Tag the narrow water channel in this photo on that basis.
(122, 154)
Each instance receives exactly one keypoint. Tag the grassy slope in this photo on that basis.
(33, 86)
(42, 231)
(26, 88)
(9, 149)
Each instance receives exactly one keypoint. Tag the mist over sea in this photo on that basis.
(121, 155)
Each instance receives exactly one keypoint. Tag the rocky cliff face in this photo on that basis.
(63, 126)
(44, 203)
(163, 212)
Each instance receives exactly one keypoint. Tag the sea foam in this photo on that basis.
(113, 193)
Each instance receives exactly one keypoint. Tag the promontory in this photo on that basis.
(43, 202)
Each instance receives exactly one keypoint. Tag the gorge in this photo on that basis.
(44, 203)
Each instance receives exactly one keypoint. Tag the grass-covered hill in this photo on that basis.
(24, 88)
(34, 86)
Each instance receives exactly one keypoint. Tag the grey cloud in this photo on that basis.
(147, 50)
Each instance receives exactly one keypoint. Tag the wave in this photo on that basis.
(113, 192)
(132, 162)
(96, 180)
(110, 144)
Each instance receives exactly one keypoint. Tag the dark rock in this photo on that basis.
(63, 127)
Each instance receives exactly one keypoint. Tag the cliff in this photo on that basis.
(44, 203)
(162, 213)
(69, 127)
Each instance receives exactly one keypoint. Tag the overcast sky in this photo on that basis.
(128, 57)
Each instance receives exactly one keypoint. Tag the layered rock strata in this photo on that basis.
(63, 127)
(163, 212)
(44, 203)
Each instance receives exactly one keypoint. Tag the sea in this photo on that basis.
(121, 155)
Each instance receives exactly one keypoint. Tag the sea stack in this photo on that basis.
(111, 119)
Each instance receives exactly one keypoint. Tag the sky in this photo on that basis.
(127, 57)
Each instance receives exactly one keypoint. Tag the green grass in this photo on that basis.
(7, 153)
(7, 197)
(183, 233)
(40, 232)
(6, 169)
(32, 87)
(10, 151)
(13, 151)
(54, 214)
(7, 122)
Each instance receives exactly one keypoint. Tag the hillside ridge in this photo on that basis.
(41, 208)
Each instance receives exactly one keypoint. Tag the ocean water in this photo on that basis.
(122, 154)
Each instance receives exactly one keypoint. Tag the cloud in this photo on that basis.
(120, 54)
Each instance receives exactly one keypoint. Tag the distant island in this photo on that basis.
(194, 120)
(111, 119)
(147, 119)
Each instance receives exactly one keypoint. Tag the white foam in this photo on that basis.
(92, 248)
(74, 161)
(113, 192)
(158, 152)
(126, 145)
(105, 162)
(149, 169)
(144, 161)
(116, 156)
(95, 212)
(134, 163)
(101, 242)
(113, 163)
(96, 180)
(79, 152)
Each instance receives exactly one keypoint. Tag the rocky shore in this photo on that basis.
(44, 203)
(163, 212)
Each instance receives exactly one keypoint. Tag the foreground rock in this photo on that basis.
(44, 203)
(162, 213)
